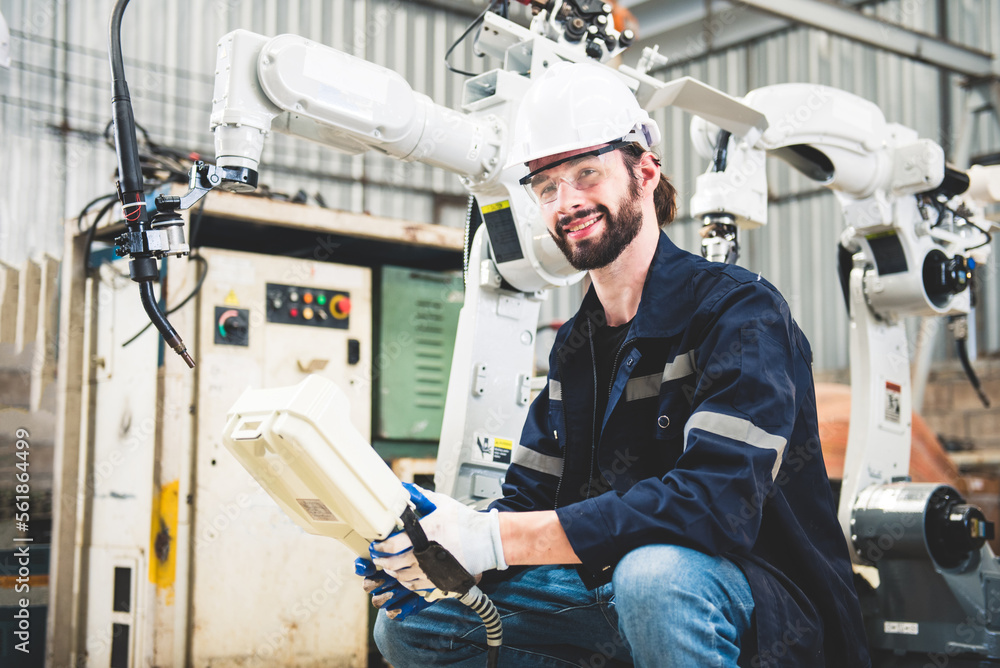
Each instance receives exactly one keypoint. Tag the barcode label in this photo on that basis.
(317, 510)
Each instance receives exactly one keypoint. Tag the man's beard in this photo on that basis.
(619, 231)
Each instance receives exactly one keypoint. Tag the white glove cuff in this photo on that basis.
(494, 520)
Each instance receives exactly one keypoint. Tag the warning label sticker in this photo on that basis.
(317, 510)
(501, 450)
(893, 400)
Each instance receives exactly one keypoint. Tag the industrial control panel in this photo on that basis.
(221, 574)
(309, 306)
(270, 322)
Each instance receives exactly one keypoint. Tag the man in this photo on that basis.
(673, 457)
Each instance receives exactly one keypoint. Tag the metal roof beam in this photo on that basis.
(849, 23)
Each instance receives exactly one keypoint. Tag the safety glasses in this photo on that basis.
(580, 171)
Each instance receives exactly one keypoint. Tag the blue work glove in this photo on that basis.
(387, 594)
(397, 601)
(472, 537)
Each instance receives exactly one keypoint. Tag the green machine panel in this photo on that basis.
(417, 320)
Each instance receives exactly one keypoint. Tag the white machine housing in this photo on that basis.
(299, 444)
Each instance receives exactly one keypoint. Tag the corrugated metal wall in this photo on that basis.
(54, 105)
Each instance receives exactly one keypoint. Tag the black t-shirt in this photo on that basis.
(607, 342)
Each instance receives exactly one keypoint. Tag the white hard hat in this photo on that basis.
(576, 105)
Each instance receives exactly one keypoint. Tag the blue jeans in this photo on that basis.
(666, 606)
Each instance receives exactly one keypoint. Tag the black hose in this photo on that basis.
(86, 209)
(475, 23)
(845, 262)
(197, 288)
(129, 168)
(143, 265)
(721, 156)
(963, 356)
(170, 337)
(92, 232)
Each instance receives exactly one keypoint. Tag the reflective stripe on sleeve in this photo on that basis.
(738, 429)
(682, 365)
(555, 390)
(536, 461)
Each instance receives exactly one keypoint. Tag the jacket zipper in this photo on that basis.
(555, 502)
(593, 435)
(614, 369)
(593, 429)
(611, 385)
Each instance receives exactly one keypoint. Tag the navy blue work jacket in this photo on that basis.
(709, 441)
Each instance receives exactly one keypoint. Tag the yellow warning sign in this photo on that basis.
(232, 299)
(502, 450)
(490, 208)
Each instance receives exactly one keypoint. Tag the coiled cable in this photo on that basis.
(479, 603)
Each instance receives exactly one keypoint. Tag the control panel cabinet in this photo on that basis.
(185, 559)
(262, 588)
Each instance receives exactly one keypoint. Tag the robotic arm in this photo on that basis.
(884, 176)
(291, 85)
(297, 87)
(301, 88)
(910, 246)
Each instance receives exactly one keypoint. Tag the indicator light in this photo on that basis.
(294, 312)
(321, 299)
(307, 313)
(307, 298)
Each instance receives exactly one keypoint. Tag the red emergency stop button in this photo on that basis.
(340, 306)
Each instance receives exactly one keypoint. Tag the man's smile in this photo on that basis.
(581, 225)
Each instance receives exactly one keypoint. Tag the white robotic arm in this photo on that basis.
(304, 89)
(908, 248)
(294, 86)
(876, 169)
(301, 88)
